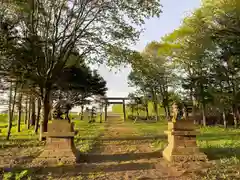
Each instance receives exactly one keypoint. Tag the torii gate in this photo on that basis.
(106, 100)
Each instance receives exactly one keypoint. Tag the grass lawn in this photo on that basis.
(26, 143)
(222, 147)
(118, 108)
(87, 134)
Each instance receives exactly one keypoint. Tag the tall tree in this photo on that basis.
(46, 32)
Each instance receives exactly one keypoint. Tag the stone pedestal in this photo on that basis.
(182, 144)
(59, 144)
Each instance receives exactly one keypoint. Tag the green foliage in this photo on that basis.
(40, 39)
(200, 58)
(75, 84)
(153, 75)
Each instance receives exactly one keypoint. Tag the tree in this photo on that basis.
(47, 32)
(205, 52)
(152, 73)
(75, 84)
(12, 101)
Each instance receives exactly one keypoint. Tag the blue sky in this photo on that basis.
(173, 13)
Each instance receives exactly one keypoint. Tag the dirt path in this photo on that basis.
(122, 155)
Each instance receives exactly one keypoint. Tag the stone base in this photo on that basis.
(59, 150)
(183, 154)
(182, 144)
(59, 146)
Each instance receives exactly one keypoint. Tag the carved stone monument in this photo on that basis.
(182, 144)
(59, 145)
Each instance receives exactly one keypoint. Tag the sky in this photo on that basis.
(173, 13)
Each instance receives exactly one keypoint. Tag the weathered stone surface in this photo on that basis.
(182, 125)
(182, 144)
(59, 144)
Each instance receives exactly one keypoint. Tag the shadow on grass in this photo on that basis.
(20, 143)
(145, 122)
(81, 169)
(99, 158)
(20, 160)
(216, 153)
(128, 138)
(3, 126)
(6, 125)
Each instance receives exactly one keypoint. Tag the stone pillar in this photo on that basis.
(182, 144)
(59, 144)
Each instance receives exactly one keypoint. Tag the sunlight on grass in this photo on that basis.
(219, 144)
(27, 137)
(87, 134)
(216, 142)
(118, 108)
(149, 128)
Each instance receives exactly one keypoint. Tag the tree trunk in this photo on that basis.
(46, 108)
(155, 103)
(204, 123)
(105, 114)
(169, 113)
(11, 109)
(101, 112)
(238, 114)
(101, 117)
(124, 110)
(38, 115)
(19, 113)
(156, 111)
(26, 111)
(82, 107)
(33, 116)
(50, 116)
(29, 113)
(166, 112)
(147, 112)
(137, 111)
(235, 116)
(193, 114)
(166, 105)
(224, 119)
(235, 120)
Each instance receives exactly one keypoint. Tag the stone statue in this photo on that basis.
(62, 108)
(177, 112)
